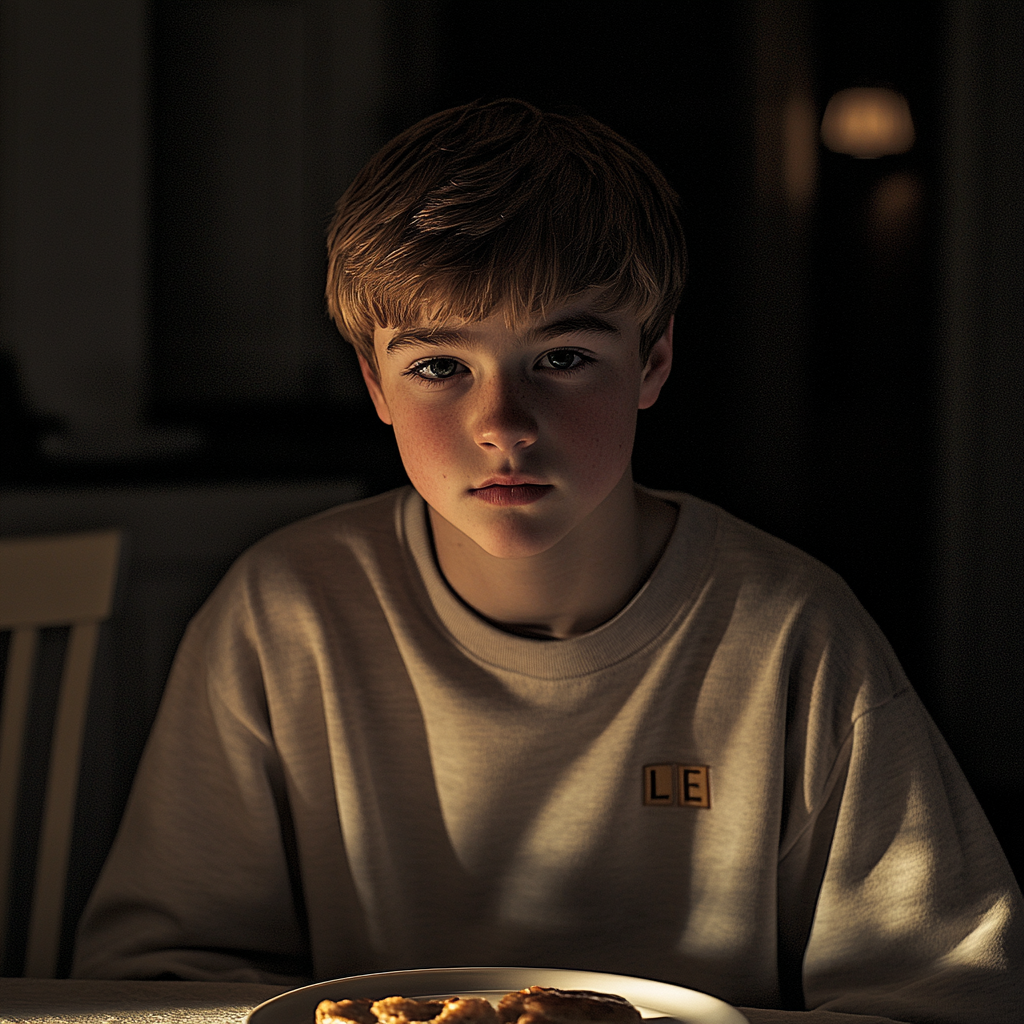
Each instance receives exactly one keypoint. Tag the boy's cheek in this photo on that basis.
(585, 444)
(428, 445)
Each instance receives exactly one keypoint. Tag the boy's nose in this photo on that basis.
(504, 420)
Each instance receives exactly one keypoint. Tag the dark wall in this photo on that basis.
(978, 566)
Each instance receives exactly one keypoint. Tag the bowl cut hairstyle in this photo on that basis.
(501, 205)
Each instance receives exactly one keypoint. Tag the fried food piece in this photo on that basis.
(348, 1011)
(539, 1005)
(467, 1010)
(399, 1010)
(456, 1010)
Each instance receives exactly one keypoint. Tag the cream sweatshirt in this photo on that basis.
(728, 786)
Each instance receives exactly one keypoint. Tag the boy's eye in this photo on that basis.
(436, 369)
(564, 359)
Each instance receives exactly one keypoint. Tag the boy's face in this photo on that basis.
(516, 437)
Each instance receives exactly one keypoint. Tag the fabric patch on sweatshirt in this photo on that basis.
(677, 785)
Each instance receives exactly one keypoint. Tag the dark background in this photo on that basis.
(848, 354)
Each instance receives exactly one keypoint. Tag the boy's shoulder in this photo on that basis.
(328, 544)
(772, 589)
(735, 549)
(769, 587)
(374, 516)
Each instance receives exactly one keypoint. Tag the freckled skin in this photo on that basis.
(504, 416)
(502, 406)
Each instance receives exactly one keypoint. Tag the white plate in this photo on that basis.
(651, 998)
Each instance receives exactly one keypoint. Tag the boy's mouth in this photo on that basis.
(511, 494)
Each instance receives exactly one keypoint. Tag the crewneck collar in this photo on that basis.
(665, 598)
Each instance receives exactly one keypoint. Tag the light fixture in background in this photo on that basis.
(868, 123)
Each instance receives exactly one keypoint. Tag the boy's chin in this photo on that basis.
(513, 537)
(514, 547)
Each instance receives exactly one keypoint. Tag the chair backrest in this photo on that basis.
(48, 581)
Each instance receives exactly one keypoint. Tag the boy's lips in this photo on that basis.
(510, 491)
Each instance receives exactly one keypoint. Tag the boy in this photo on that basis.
(526, 712)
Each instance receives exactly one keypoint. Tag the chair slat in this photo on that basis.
(59, 807)
(21, 659)
(65, 580)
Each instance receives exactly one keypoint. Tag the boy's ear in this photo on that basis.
(373, 386)
(659, 362)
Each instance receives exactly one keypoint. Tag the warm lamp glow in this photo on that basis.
(867, 123)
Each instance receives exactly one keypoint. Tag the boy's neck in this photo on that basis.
(582, 581)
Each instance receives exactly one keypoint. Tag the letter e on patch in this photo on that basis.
(659, 785)
(694, 785)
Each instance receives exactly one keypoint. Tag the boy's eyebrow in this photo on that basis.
(413, 336)
(574, 324)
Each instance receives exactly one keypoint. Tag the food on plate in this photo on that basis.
(454, 1010)
(539, 1005)
(399, 1010)
(533, 1005)
(348, 1011)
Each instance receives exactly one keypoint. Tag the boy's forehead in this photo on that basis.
(585, 312)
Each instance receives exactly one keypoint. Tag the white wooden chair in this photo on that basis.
(48, 581)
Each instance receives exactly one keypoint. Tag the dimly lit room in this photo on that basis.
(846, 377)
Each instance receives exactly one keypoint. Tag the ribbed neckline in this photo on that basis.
(666, 597)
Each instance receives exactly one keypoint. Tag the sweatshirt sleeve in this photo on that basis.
(918, 917)
(200, 883)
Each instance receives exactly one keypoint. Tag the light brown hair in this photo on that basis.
(499, 204)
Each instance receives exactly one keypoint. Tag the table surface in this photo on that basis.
(35, 1000)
